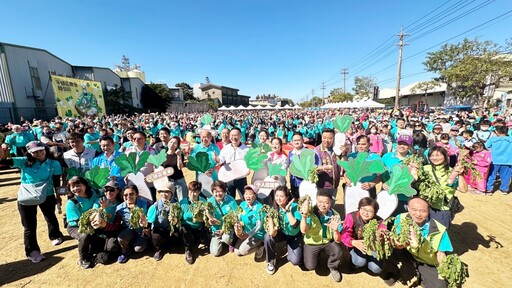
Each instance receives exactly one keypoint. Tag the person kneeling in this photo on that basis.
(158, 216)
(250, 231)
(429, 249)
(322, 232)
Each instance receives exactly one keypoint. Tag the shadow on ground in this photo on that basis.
(465, 237)
(14, 271)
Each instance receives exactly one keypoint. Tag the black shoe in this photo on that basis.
(189, 257)
(102, 258)
(84, 264)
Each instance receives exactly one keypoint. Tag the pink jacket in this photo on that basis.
(376, 145)
(483, 158)
(347, 234)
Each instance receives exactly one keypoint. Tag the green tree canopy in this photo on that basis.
(468, 67)
(188, 93)
(337, 95)
(363, 86)
(153, 95)
(117, 99)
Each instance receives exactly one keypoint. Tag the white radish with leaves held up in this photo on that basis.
(356, 169)
(304, 167)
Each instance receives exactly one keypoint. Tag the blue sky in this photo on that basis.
(282, 47)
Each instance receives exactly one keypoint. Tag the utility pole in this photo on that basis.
(344, 72)
(323, 93)
(400, 46)
(312, 97)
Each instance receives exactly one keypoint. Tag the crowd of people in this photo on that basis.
(52, 151)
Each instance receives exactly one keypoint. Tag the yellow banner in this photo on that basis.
(76, 97)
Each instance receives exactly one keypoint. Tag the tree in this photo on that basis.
(337, 95)
(154, 95)
(468, 67)
(316, 101)
(363, 86)
(117, 99)
(188, 93)
(288, 101)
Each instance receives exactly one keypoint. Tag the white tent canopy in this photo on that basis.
(354, 104)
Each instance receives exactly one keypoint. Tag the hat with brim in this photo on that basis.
(112, 183)
(251, 187)
(34, 146)
(169, 186)
(407, 139)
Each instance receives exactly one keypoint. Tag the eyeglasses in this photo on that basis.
(128, 194)
(366, 211)
(110, 190)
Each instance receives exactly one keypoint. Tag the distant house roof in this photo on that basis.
(32, 48)
(406, 90)
(210, 86)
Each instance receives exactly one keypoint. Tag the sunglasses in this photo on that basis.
(110, 189)
(128, 194)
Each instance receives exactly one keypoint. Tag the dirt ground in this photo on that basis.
(480, 234)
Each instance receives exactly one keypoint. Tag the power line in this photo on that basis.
(445, 41)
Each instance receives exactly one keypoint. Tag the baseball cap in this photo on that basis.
(34, 146)
(169, 186)
(112, 183)
(252, 187)
(454, 128)
(405, 139)
(437, 126)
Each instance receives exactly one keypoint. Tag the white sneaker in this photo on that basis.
(57, 241)
(35, 257)
(271, 269)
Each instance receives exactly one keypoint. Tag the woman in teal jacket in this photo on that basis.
(38, 167)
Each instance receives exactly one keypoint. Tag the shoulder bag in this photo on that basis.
(34, 194)
(453, 204)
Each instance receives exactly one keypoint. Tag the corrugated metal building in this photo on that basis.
(25, 84)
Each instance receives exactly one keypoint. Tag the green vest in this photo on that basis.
(314, 235)
(427, 253)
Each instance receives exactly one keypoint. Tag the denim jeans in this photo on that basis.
(361, 259)
(505, 171)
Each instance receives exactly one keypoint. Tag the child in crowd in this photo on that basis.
(501, 154)
(482, 161)
(387, 142)
(452, 150)
(484, 133)
(467, 136)
(376, 145)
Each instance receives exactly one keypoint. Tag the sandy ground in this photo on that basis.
(480, 234)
